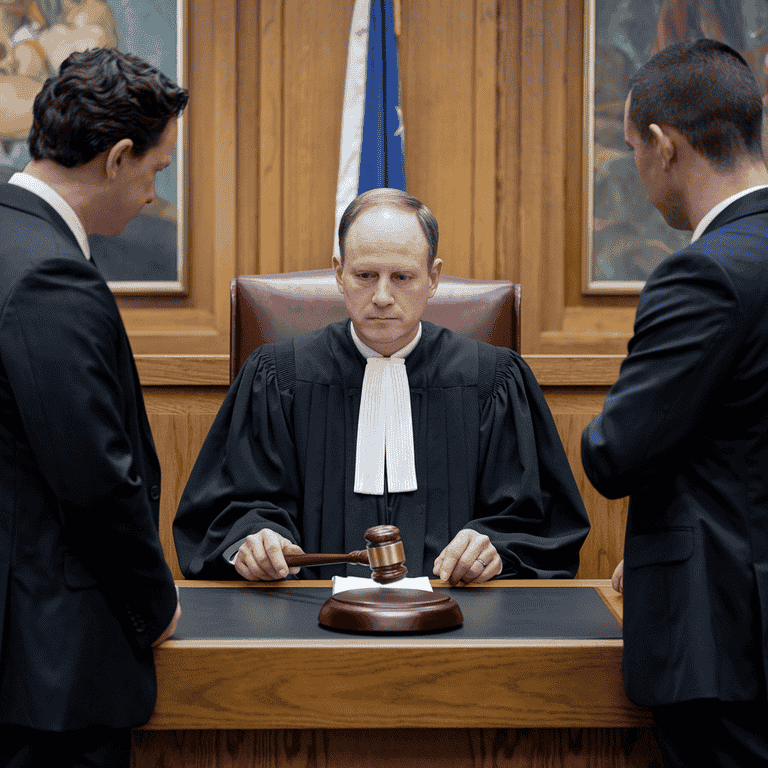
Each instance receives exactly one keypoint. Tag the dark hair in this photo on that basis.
(99, 97)
(399, 199)
(704, 89)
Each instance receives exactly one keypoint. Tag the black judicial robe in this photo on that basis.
(281, 455)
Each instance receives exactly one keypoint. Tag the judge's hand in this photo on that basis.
(171, 628)
(262, 556)
(618, 577)
(469, 557)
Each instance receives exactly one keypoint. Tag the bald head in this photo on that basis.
(390, 199)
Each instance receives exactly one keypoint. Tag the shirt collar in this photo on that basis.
(367, 352)
(710, 217)
(58, 203)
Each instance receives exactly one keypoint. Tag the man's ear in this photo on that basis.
(116, 156)
(338, 269)
(665, 145)
(434, 276)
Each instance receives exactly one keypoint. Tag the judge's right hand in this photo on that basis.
(262, 556)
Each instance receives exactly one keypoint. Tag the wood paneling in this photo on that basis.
(180, 418)
(403, 747)
(198, 323)
(492, 99)
(315, 38)
(557, 318)
(205, 370)
(439, 95)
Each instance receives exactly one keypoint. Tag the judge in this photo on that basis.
(383, 418)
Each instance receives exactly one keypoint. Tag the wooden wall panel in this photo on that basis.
(257, 36)
(315, 38)
(405, 748)
(493, 104)
(557, 318)
(572, 410)
(438, 94)
(509, 159)
(180, 418)
(198, 323)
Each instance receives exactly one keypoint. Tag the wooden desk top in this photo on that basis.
(394, 682)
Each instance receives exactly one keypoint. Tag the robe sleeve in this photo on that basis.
(246, 476)
(527, 501)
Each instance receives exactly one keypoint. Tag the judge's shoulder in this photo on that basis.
(461, 361)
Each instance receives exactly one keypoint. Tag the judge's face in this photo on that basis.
(385, 279)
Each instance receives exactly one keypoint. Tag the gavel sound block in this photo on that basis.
(382, 610)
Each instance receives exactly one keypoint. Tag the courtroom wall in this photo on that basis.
(493, 107)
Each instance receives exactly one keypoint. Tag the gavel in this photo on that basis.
(384, 554)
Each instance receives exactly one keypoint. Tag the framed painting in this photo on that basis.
(626, 237)
(35, 37)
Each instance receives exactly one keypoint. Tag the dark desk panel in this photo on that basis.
(289, 613)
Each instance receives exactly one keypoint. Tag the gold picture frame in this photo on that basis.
(150, 257)
(625, 237)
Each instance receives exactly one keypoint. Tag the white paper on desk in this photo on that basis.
(345, 583)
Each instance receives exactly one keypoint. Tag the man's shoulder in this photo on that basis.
(30, 226)
(16, 200)
(35, 253)
(733, 253)
(24, 260)
(741, 229)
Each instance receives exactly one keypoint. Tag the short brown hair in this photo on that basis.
(99, 97)
(706, 90)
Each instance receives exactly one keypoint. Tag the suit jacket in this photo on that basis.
(84, 588)
(684, 433)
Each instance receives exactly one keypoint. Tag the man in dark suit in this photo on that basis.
(84, 589)
(684, 431)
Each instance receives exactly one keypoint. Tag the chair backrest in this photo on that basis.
(269, 308)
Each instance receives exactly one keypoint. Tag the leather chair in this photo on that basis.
(269, 308)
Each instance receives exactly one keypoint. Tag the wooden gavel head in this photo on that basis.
(386, 555)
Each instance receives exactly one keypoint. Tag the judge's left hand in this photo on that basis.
(470, 557)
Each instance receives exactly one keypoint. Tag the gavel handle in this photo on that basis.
(294, 561)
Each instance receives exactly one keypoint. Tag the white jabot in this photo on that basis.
(385, 426)
(712, 214)
(58, 203)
